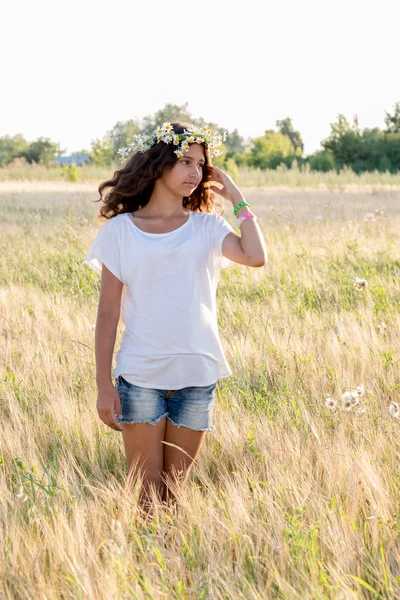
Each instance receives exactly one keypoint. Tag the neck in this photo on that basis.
(164, 202)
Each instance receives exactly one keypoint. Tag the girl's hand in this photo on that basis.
(229, 191)
(108, 401)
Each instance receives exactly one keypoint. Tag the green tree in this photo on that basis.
(344, 141)
(390, 153)
(173, 112)
(43, 150)
(322, 160)
(12, 147)
(269, 150)
(170, 113)
(392, 122)
(122, 133)
(103, 151)
(285, 126)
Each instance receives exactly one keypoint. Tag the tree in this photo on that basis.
(41, 151)
(170, 113)
(344, 141)
(392, 122)
(286, 127)
(122, 133)
(323, 160)
(103, 151)
(270, 150)
(12, 147)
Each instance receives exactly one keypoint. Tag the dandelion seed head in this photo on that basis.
(347, 401)
(360, 284)
(358, 392)
(330, 402)
(394, 410)
(382, 327)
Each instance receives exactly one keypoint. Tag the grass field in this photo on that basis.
(289, 498)
(244, 176)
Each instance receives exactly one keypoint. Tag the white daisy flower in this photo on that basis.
(165, 133)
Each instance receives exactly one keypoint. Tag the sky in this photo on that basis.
(71, 70)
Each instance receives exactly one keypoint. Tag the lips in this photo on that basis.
(189, 183)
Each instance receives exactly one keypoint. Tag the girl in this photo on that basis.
(159, 257)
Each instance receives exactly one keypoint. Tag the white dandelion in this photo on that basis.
(347, 401)
(359, 391)
(394, 410)
(360, 284)
(330, 402)
(382, 327)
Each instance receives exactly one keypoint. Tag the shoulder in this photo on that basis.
(207, 217)
(116, 223)
(205, 221)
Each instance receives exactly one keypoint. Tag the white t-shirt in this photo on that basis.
(168, 302)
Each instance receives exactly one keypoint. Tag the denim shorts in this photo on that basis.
(191, 407)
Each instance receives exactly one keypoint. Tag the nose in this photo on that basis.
(194, 174)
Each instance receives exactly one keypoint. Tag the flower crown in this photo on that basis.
(165, 133)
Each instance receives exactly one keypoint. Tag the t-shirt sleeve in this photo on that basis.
(221, 230)
(106, 249)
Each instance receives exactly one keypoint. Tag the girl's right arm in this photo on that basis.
(108, 315)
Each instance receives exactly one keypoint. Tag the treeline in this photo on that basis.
(347, 145)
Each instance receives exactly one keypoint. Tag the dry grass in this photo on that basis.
(288, 498)
(244, 176)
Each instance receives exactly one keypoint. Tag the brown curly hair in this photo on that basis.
(132, 185)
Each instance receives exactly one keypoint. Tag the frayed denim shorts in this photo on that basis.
(191, 407)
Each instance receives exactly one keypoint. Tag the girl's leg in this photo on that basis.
(177, 464)
(144, 456)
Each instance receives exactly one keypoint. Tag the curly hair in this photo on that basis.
(132, 185)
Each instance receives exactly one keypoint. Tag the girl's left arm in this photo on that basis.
(250, 245)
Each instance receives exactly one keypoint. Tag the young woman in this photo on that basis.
(159, 257)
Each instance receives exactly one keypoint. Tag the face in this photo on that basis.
(187, 172)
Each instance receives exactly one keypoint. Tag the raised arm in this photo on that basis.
(249, 247)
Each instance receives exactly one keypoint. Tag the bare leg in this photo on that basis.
(179, 457)
(144, 457)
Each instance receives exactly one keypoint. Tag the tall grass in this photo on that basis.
(245, 176)
(288, 498)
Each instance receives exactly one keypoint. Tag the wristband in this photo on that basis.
(248, 215)
(243, 203)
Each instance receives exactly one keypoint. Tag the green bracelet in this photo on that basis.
(243, 203)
